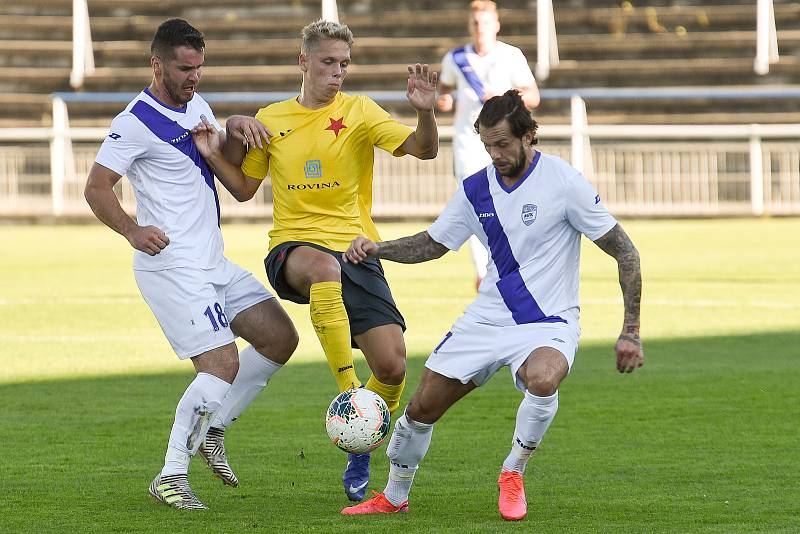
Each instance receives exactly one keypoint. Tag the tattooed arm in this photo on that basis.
(411, 249)
(618, 245)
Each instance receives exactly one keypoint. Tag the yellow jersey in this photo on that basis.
(321, 162)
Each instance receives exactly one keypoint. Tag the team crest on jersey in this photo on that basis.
(529, 214)
(336, 125)
(313, 169)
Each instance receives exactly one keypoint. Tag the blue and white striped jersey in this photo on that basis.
(151, 142)
(532, 231)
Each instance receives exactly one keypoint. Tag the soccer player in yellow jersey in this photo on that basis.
(320, 158)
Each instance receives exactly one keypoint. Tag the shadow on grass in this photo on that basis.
(702, 438)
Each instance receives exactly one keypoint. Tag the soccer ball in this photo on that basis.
(357, 420)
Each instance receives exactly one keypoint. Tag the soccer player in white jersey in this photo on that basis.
(202, 300)
(474, 73)
(530, 209)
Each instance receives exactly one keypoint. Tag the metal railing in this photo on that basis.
(766, 37)
(546, 42)
(82, 50)
(641, 170)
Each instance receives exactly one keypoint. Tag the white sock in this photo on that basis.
(255, 371)
(533, 417)
(203, 396)
(480, 256)
(408, 446)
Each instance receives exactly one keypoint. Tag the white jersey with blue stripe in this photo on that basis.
(151, 143)
(533, 233)
(473, 76)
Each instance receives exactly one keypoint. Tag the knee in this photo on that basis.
(282, 347)
(391, 370)
(281, 344)
(324, 268)
(542, 386)
(423, 412)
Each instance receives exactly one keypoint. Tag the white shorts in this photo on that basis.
(474, 351)
(196, 306)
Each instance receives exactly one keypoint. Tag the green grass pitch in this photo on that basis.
(704, 438)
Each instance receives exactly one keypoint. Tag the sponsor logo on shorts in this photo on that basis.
(529, 212)
(114, 136)
(597, 199)
(557, 339)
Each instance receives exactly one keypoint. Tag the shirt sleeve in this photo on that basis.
(256, 161)
(385, 132)
(453, 226)
(449, 74)
(521, 74)
(123, 144)
(585, 210)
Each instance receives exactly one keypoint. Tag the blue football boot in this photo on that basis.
(356, 476)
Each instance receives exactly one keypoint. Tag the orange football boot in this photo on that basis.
(378, 504)
(511, 503)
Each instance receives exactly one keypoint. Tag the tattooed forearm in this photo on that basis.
(618, 245)
(412, 249)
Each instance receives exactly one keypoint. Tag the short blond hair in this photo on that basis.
(320, 29)
(483, 5)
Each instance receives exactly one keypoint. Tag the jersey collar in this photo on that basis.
(518, 183)
(162, 104)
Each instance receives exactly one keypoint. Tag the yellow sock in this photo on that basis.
(333, 330)
(388, 392)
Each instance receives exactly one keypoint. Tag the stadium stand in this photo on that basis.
(253, 47)
(680, 123)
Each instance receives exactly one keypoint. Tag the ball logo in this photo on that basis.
(313, 169)
(529, 214)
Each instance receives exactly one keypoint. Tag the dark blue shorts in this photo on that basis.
(365, 291)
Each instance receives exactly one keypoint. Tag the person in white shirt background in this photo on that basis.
(472, 74)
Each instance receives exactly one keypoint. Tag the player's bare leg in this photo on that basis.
(385, 352)
(273, 339)
(541, 373)
(216, 370)
(317, 275)
(410, 441)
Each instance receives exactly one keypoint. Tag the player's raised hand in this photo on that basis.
(206, 137)
(248, 130)
(421, 92)
(630, 353)
(359, 250)
(148, 239)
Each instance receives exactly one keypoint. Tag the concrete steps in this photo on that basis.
(254, 47)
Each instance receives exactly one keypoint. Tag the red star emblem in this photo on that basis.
(337, 125)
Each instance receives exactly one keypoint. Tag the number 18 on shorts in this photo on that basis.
(196, 306)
